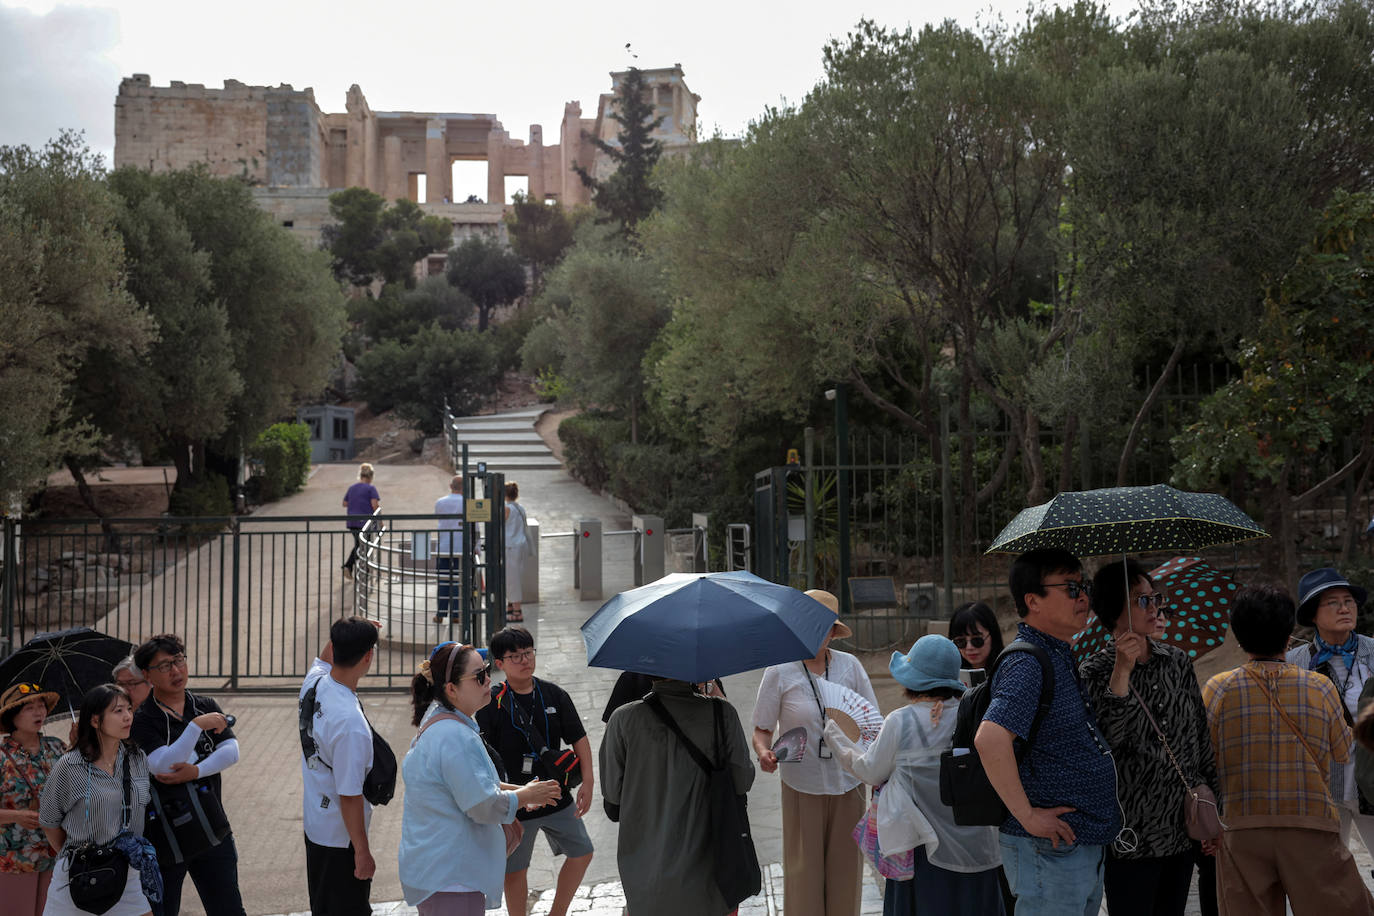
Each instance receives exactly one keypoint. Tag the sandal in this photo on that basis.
(514, 617)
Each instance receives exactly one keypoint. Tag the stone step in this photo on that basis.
(528, 436)
(519, 463)
(507, 448)
(530, 413)
(499, 425)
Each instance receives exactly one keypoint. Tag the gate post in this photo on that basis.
(649, 562)
(9, 582)
(529, 573)
(234, 609)
(589, 559)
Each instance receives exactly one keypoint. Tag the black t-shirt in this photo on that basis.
(155, 727)
(552, 713)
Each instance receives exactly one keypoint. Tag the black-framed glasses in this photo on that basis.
(176, 661)
(976, 641)
(520, 657)
(1073, 588)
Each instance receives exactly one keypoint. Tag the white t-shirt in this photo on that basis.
(343, 742)
(450, 530)
(785, 701)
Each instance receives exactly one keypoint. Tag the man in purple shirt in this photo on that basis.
(362, 499)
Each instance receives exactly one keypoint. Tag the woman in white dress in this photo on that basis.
(517, 548)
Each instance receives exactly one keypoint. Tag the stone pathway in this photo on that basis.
(507, 441)
(606, 899)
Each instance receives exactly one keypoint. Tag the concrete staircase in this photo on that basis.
(506, 441)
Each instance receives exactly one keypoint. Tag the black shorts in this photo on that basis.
(329, 878)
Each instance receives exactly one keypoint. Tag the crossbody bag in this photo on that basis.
(563, 766)
(1200, 816)
(1293, 727)
(514, 831)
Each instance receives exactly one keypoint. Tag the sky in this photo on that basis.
(60, 64)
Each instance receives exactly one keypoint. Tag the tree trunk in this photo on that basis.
(967, 445)
(83, 489)
(1066, 454)
(1035, 465)
(1132, 440)
(634, 420)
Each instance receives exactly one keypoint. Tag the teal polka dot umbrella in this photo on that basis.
(1128, 520)
(1198, 598)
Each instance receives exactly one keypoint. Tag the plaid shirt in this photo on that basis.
(1268, 778)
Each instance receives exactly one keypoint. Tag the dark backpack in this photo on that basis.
(736, 862)
(964, 785)
(379, 785)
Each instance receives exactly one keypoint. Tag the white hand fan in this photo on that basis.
(859, 719)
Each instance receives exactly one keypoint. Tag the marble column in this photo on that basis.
(437, 167)
(395, 181)
(496, 166)
(536, 163)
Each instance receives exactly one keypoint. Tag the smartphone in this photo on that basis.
(972, 677)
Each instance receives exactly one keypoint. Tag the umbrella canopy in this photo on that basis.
(1199, 599)
(1123, 520)
(67, 662)
(695, 627)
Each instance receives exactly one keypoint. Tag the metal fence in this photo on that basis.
(252, 597)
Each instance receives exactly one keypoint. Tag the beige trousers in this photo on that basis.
(1257, 868)
(822, 870)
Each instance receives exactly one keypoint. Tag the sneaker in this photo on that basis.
(439, 618)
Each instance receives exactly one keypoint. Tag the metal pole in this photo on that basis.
(947, 510)
(842, 487)
(234, 610)
(809, 446)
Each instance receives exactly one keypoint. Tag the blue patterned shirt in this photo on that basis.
(1069, 763)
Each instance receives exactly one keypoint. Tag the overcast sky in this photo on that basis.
(60, 64)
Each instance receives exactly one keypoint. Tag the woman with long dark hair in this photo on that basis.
(83, 802)
(453, 850)
(976, 633)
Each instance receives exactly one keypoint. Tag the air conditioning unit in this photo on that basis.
(925, 601)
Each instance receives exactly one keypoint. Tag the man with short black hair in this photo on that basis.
(1277, 728)
(1061, 796)
(338, 860)
(187, 739)
(526, 712)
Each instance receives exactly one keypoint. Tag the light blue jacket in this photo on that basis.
(454, 806)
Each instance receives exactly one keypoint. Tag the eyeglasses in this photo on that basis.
(1335, 604)
(519, 657)
(481, 675)
(130, 682)
(976, 641)
(176, 661)
(1154, 603)
(1073, 588)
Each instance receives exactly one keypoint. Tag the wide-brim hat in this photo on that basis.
(840, 629)
(19, 694)
(1311, 586)
(932, 662)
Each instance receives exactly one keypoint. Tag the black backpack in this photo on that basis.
(379, 785)
(737, 870)
(964, 785)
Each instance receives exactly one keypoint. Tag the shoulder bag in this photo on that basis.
(562, 766)
(185, 819)
(97, 872)
(379, 783)
(736, 861)
(1200, 816)
(514, 831)
(1297, 732)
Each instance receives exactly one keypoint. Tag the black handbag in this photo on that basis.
(97, 872)
(562, 766)
(737, 870)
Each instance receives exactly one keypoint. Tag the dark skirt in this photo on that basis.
(933, 891)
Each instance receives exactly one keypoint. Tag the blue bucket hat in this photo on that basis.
(1311, 586)
(932, 662)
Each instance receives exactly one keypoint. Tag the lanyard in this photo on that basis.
(510, 710)
(810, 679)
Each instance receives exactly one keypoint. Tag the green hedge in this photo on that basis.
(207, 497)
(283, 450)
(589, 440)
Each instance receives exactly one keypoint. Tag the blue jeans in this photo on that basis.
(1053, 882)
(215, 873)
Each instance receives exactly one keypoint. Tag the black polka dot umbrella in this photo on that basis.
(1127, 520)
(1198, 598)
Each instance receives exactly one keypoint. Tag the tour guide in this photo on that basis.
(1063, 794)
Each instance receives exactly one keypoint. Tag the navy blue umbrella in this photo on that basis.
(695, 627)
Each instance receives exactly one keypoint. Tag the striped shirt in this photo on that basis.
(73, 780)
(1267, 776)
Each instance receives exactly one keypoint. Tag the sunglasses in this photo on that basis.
(1073, 588)
(26, 689)
(481, 675)
(1155, 601)
(976, 641)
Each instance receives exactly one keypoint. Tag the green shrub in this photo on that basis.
(208, 496)
(283, 450)
(415, 378)
(588, 443)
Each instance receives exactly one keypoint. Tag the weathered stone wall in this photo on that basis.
(268, 135)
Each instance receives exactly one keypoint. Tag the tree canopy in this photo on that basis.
(370, 240)
(488, 272)
(628, 195)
